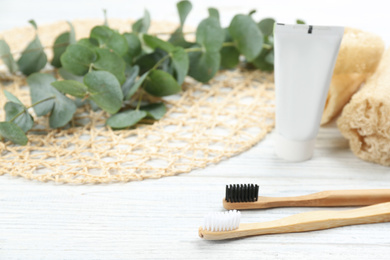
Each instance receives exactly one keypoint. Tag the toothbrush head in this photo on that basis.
(222, 221)
(242, 193)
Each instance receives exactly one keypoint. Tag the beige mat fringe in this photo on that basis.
(365, 120)
(203, 125)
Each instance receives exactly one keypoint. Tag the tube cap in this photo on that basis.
(294, 151)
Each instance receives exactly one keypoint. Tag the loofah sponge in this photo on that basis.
(365, 121)
(359, 52)
(359, 56)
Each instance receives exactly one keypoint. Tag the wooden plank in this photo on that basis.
(159, 218)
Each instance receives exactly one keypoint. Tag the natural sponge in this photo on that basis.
(359, 56)
(365, 121)
(359, 52)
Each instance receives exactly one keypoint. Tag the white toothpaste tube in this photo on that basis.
(305, 56)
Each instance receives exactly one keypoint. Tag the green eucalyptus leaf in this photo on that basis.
(77, 59)
(126, 119)
(33, 58)
(270, 57)
(214, 13)
(154, 42)
(181, 63)
(105, 90)
(59, 48)
(251, 12)
(204, 65)
(23, 120)
(155, 110)
(69, 76)
(63, 110)
(110, 39)
(60, 44)
(34, 24)
(159, 83)
(111, 62)
(246, 35)
(82, 102)
(230, 57)
(147, 62)
(105, 23)
(300, 21)
(71, 87)
(134, 47)
(72, 34)
(136, 86)
(261, 63)
(90, 43)
(143, 24)
(6, 56)
(183, 8)
(267, 26)
(177, 39)
(61, 107)
(40, 88)
(210, 35)
(13, 132)
(12, 98)
(130, 80)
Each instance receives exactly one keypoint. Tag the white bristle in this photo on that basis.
(222, 221)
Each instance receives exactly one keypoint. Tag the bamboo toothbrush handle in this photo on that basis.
(308, 221)
(328, 198)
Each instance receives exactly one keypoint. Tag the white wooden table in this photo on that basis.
(159, 219)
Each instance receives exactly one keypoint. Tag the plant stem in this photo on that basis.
(36, 103)
(228, 44)
(139, 101)
(160, 62)
(193, 49)
(225, 44)
(267, 46)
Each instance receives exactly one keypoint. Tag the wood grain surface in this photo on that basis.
(159, 219)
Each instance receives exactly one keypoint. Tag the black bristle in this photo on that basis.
(239, 193)
(242, 193)
(227, 193)
(252, 190)
(234, 191)
(246, 195)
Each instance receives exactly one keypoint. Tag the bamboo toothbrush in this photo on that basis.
(220, 225)
(246, 197)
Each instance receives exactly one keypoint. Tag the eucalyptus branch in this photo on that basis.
(111, 69)
(36, 103)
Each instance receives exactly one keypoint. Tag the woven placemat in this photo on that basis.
(204, 125)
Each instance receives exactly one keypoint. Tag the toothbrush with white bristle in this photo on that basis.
(219, 226)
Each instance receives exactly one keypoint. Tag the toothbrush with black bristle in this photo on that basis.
(226, 225)
(246, 196)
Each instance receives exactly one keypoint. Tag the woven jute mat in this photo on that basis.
(205, 123)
